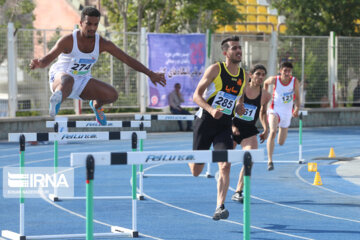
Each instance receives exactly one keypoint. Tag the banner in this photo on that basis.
(182, 58)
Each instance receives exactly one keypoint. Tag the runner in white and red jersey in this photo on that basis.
(70, 76)
(285, 96)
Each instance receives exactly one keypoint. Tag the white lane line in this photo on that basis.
(84, 217)
(223, 220)
(308, 211)
(297, 173)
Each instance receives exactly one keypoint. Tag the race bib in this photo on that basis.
(249, 115)
(288, 97)
(225, 101)
(82, 66)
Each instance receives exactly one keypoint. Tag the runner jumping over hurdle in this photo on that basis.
(70, 76)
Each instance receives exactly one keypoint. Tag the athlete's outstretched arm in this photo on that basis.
(110, 47)
(64, 44)
(208, 77)
(268, 82)
(265, 98)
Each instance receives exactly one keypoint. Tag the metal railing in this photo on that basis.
(326, 67)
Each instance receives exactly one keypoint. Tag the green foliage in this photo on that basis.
(170, 15)
(54, 38)
(318, 18)
(315, 68)
(27, 113)
(21, 14)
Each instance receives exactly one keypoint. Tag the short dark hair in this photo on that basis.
(257, 67)
(224, 43)
(89, 11)
(287, 65)
(177, 85)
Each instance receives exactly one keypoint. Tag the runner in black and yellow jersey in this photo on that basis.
(218, 93)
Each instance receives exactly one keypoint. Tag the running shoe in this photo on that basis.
(99, 113)
(237, 197)
(270, 166)
(55, 102)
(220, 213)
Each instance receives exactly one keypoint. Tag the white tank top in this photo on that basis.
(283, 96)
(77, 63)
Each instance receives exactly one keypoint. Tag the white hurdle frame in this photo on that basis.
(167, 157)
(95, 124)
(116, 231)
(75, 137)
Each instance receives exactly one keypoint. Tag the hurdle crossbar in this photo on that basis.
(175, 117)
(168, 157)
(94, 124)
(76, 136)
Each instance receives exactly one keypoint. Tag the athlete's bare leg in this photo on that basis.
(282, 135)
(223, 182)
(246, 144)
(270, 144)
(63, 82)
(101, 92)
(196, 168)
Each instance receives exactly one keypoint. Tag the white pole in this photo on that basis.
(332, 67)
(302, 93)
(143, 77)
(273, 54)
(208, 170)
(134, 220)
(12, 80)
(22, 219)
(141, 182)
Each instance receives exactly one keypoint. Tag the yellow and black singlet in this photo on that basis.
(225, 90)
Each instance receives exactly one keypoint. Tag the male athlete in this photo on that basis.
(285, 95)
(244, 129)
(70, 76)
(217, 94)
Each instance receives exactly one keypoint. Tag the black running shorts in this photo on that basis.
(208, 130)
(245, 130)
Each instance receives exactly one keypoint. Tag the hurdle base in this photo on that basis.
(53, 197)
(208, 175)
(130, 232)
(175, 175)
(117, 232)
(301, 161)
(12, 235)
(96, 197)
(140, 197)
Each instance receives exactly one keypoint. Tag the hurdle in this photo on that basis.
(94, 124)
(302, 113)
(246, 207)
(116, 231)
(167, 157)
(75, 137)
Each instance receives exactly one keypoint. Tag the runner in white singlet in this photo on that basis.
(285, 96)
(70, 76)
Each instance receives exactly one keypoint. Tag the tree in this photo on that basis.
(318, 18)
(170, 15)
(20, 12)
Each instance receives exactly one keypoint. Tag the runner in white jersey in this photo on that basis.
(285, 95)
(70, 76)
